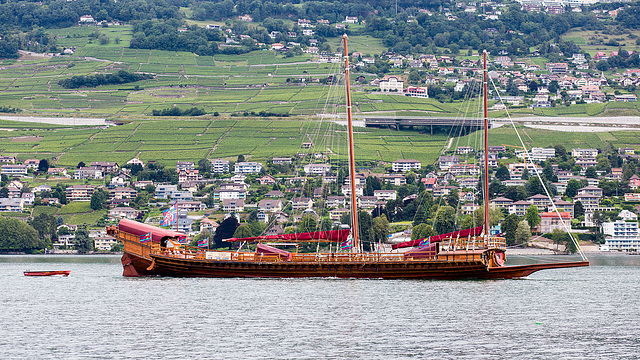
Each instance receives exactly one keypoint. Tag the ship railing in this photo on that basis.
(473, 243)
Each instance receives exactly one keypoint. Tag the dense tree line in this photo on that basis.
(175, 111)
(164, 35)
(121, 77)
(63, 13)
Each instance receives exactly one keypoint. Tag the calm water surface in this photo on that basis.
(581, 313)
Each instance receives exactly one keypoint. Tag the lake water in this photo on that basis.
(579, 313)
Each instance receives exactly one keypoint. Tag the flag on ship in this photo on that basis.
(170, 216)
(347, 244)
(146, 237)
(182, 239)
(425, 242)
(203, 243)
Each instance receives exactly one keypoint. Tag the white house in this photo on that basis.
(391, 83)
(247, 167)
(404, 165)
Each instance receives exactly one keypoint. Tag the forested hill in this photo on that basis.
(413, 27)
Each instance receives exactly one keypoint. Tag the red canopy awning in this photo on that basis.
(332, 235)
(461, 233)
(139, 229)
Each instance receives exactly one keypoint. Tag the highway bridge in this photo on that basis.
(409, 121)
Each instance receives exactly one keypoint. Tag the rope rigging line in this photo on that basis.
(546, 190)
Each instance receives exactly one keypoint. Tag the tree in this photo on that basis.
(422, 231)
(365, 225)
(523, 232)
(508, 227)
(225, 231)
(591, 172)
(308, 223)
(99, 199)
(502, 173)
(516, 193)
(81, 165)
(445, 220)
(19, 236)
(84, 243)
(381, 228)
(243, 231)
(240, 158)
(45, 225)
(420, 216)
(572, 188)
(578, 209)
(533, 219)
(43, 166)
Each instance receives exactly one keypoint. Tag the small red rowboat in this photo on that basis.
(48, 273)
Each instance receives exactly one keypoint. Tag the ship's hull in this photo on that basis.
(428, 269)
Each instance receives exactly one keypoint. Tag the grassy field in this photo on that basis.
(593, 41)
(73, 213)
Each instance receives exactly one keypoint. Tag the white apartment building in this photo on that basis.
(622, 235)
(584, 153)
(219, 166)
(317, 169)
(247, 167)
(404, 165)
(536, 154)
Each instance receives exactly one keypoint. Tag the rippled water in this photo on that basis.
(580, 313)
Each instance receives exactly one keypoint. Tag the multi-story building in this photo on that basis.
(591, 190)
(385, 195)
(223, 194)
(520, 207)
(447, 162)
(301, 203)
(584, 153)
(589, 202)
(11, 205)
(280, 161)
(317, 169)
(622, 235)
(164, 191)
(550, 221)
(79, 192)
(233, 205)
(122, 212)
(219, 166)
(395, 179)
(336, 201)
(270, 205)
(391, 83)
(247, 167)
(209, 225)
(123, 193)
(185, 165)
(105, 166)
(14, 170)
(190, 206)
(31, 163)
(88, 173)
(536, 154)
(188, 175)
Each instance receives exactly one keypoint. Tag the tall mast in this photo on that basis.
(352, 162)
(486, 147)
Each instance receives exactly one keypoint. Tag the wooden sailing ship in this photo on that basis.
(471, 253)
